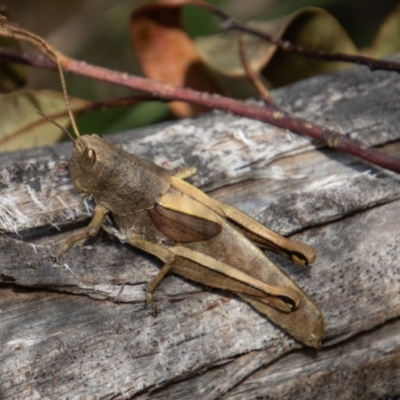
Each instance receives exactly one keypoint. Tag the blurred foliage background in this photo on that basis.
(97, 31)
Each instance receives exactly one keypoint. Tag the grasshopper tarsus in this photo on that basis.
(151, 303)
(292, 305)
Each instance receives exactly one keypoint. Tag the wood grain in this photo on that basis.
(79, 328)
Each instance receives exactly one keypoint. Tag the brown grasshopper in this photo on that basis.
(194, 235)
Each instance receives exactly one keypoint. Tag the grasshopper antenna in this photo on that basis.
(19, 33)
(66, 131)
(64, 89)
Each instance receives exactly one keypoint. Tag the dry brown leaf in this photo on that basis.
(166, 53)
(21, 127)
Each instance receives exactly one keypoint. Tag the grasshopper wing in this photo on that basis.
(184, 219)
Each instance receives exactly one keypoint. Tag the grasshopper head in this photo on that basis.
(87, 162)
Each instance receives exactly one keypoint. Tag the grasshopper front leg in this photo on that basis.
(91, 230)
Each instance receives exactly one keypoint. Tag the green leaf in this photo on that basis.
(311, 28)
(22, 127)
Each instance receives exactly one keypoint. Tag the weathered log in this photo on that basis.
(206, 343)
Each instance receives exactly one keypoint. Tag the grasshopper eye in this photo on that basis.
(88, 158)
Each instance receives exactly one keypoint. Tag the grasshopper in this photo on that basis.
(195, 236)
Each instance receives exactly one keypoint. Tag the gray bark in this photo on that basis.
(79, 328)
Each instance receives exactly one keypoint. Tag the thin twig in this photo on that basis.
(13, 55)
(266, 113)
(233, 24)
(121, 102)
(253, 77)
